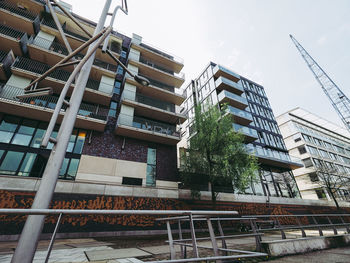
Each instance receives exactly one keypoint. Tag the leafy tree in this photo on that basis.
(216, 154)
(330, 179)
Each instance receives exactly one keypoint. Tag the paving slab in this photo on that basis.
(116, 254)
(90, 244)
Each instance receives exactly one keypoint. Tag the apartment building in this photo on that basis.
(125, 133)
(320, 144)
(253, 117)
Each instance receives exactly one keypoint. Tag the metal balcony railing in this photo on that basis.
(148, 101)
(148, 125)
(153, 65)
(2, 55)
(49, 102)
(17, 10)
(162, 53)
(240, 113)
(159, 84)
(60, 49)
(11, 32)
(40, 68)
(245, 130)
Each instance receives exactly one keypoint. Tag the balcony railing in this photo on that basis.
(2, 55)
(40, 68)
(153, 65)
(148, 125)
(230, 83)
(148, 101)
(245, 130)
(16, 10)
(60, 49)
(162, 53)
(226, 94)
(240, 113)
(269, 153)
(49, 102)
(11, 32)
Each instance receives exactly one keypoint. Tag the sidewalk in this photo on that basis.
(132, 250)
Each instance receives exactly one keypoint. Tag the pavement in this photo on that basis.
(138, 250)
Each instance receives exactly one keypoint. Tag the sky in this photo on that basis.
(251, 37)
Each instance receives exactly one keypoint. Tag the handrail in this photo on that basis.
(19, 11)
(11, 32)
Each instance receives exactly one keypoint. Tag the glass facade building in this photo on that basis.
(320, 144)
(253, 117)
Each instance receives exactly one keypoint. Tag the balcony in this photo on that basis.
(160, 91)
(158, 73)
(3, 76)
(52, 52)
(233, 99)
(11, 38)
(155, 54)
(240, 116)
(224, 72)
(76, 39)
(250, 135)
(223, 83)
(274, 158)
(152, 108)
(32, 69)
(148, 130)
(90, 116)
(16, 16)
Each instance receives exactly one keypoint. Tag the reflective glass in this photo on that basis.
(5, 136)
(27, 164)
(80, 141)
(28, 127)
(38, 135)
(72, 141)
(73, 168)
(151, 156)
(11, 162)
(1, 153)
(151, 175)
(64, 167)
(9, 123)
(22, 139)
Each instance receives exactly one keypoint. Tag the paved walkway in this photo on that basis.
(129, 250)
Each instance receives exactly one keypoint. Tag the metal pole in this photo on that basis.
(53, 238)
(28, 241)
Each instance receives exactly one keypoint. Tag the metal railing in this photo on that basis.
(240, 113)
(179, 216)
(148, 125)
(40, 68)
(245, 130)
(60, 49)
(3, 54)
(49, 102)
(162, 53)
(19, 11)
(129, 95)
(180, 75)
(11, 32)
(301, 222)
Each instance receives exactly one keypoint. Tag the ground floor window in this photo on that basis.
(151, 167)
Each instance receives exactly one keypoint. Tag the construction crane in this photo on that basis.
(339, 100)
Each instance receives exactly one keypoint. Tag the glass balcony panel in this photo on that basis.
(240, 113)
(230, 83)
(161, 68)
(226, 94)
(148, 125)
(245, 130)
(162, 53)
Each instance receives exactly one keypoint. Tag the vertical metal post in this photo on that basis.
(171, 243)
(213, 239)
(303, 234)
(319, 228)
(53, 238)
(32, 229)
(255, 231)
(333, 227)
(183, 252)
(280, 227)
(346, 225)
(194, 240)
(223, 241)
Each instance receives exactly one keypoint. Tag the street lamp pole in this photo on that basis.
(29, 238)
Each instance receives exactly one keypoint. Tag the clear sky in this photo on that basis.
(251, 37)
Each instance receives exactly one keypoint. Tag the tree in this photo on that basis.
(329, 178)
(286, 182)
(216, 154)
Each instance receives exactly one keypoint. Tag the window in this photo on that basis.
(151, 167)
(320, 193)
(7, 128)
(80, 141)
(11, 162)
(307, 162)
(302, 149)
(314, 177)
(132, 181)
(312, 150)
(27, 164)
(120, 70)
(324, 153)
(116, 88)
(307, 138)
(112, 109)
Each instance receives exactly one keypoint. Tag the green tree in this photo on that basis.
(216, 154)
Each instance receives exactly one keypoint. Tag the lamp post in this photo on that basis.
(29, 238)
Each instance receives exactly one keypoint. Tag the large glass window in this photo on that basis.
(8, 127)
(80, 141)
(151, 167)
(38, 135)
(27, 164)
(25, 132)
(11, 162)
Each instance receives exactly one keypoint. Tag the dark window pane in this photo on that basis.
(73, 168)
(27, 164)
(9, 123)
(11, 162)
(132, 181)
(72, 140)
(64, 166)
(1, 153)
(28, 127)
(80, 141)
(5, 136)
(38, 135)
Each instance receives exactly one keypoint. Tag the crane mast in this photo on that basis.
(339, 100)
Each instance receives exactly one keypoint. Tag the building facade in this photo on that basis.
(253, 117)
(321, 145)
(125, 134)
